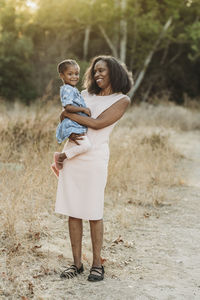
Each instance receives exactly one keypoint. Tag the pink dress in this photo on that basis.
(82, 181)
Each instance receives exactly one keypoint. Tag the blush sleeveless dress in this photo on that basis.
(82, 181)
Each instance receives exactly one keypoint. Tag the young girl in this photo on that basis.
(73, 102)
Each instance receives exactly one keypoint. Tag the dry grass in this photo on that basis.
(142, 169)
(168, 116)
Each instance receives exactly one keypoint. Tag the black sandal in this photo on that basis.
(95, 277)
(71, 272)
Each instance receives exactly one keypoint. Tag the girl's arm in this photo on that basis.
(106, 118)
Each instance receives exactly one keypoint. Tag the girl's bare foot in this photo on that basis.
(55, 170)
(59, 158)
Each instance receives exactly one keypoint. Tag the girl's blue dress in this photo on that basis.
(70, 95)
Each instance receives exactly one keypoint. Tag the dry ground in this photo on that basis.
(151, 244)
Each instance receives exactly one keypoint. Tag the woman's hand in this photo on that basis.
(74, 137)
(87, 111)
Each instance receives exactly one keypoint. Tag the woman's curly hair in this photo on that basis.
(120, 78)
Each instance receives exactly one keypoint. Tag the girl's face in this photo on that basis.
(101, 74)
(71, 75)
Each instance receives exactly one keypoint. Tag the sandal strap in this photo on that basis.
(99, 270)
(99, 274)
(96, 271)
(74, 267)
(71, 271)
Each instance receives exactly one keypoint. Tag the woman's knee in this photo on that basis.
(74, 219)
(95, 222)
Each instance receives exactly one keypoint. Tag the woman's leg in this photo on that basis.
(97, 270)
(96, 230)
(76, 232)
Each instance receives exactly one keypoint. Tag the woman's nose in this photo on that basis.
(96, 74)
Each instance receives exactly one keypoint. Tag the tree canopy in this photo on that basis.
(33, 40)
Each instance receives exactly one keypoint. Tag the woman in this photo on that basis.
(82, 180)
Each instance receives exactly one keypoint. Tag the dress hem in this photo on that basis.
(78, 217)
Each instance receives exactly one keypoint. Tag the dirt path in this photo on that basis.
(165, 258)
(159, 258)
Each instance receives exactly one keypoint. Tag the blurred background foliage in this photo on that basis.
(36, 35)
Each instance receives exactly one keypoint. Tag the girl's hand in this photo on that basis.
(74, 137)
(87, 111)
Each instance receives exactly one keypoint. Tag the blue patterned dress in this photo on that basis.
(69, 95)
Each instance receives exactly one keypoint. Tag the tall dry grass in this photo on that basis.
(142, 169)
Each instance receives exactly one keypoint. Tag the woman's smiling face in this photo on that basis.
(101, 74)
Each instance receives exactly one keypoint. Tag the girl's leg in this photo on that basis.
(84, 146)
(76, 232)
(54, 169)
(96, 230)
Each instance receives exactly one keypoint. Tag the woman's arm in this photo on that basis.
(74, 109)
(106, 118)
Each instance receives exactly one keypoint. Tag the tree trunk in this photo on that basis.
(123, 32)
(109, 42)
(86, 42)
(149, 58)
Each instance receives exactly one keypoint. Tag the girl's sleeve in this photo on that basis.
(67, 96)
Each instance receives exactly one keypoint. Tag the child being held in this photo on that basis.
(73, 102)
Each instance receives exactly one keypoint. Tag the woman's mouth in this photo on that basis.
(99, 80)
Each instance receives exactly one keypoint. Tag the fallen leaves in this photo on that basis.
(15, 248)
(30, 287)
(36, 247)
(103, 260)
(118, 240)
(3, 274)
(44, 271)
(60, 256)
(129, 244)
(85, 258)
(146, 215)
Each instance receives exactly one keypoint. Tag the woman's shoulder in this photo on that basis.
(120, 96)
(126, 97)
(113, 97)
(84, 93)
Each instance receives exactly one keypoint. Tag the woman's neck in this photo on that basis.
(105, 92)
